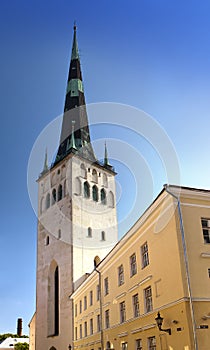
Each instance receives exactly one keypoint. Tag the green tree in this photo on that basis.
(21, 346)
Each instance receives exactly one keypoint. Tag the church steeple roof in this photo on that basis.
(75, 112)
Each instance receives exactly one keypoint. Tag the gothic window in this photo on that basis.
(47, 242)
(94, 176)
(105, 181)
(103, 236)
(86, 189)
(41, 205)
(47, 201)
(83, 171)
(60, 192)
(77, 186)
(103, 196)
(89, 232)
(53, 196)
(111, 200)
(53, 299)
(95, 193)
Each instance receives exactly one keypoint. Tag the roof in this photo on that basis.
(10, 342)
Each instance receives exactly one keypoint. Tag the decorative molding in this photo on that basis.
(148, 278)
(124, 334)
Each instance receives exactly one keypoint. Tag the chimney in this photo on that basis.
(19, 327)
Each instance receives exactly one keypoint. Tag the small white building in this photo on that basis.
(10, 342)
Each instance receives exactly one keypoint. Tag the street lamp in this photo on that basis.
(159, 321)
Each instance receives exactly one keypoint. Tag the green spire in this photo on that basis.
(45, 168)
(75, 51)
(106, 160)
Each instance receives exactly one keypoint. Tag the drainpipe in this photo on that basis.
(101, 309)
(186, 264)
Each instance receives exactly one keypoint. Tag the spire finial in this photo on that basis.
(45, 167)
(106, 160)
(75, 26)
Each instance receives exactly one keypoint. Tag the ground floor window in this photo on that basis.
(151, 343)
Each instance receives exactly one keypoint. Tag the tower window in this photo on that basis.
(103, 236)
(53, 196)
(89, 232)
(94, 176)
(86, 189)
(56, 286)
(95, 193)
(103, 196)
(47, 240)
(48, 201)
(60, 192)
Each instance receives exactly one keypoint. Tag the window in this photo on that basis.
(47, 203)
(209, 273)
(47, 240)
(80, 331)
(125, 346)
(148, 299)
(85, 302)
(59, 233)
(85, 329)
(133, 266)
(144, 255)
(138, 344)
(60, 192)
(107, 325)
(106, 286)
(122, 312)
(98, 323)
(120, 275)
(136, 305)
(95, 193)
(103, 236)
(91, 326)
(76, 336)
(206, 230)
(151, 343)
(86, 190)
(97, 292)
(91, 297)
(103, 196)
(94, 176)
(53, 196)
(75, 310)
(108, 345)
(80, 306)
(89, 232)
(56, 301)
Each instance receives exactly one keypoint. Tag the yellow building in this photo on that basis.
(161, 265)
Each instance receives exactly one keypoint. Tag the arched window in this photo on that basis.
(95, 193)
(83, 171)
(94, 176)
(103, 236)
(97, 261)
(111, 199)
(47, 201)
(86, 189)
(41, 205)
(60, 192)
(53, 196)
(52, 348)
(47, 242)
(105, 180)
(108, 345)
(103, 196)
(77, 186)
(89, 232)
(53, 299)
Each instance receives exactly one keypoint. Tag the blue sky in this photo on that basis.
(153, 55)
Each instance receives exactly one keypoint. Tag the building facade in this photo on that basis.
(161, 265)
(77, 223)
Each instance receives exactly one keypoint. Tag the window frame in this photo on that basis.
(133, 265)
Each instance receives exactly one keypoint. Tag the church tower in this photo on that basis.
(77, 223)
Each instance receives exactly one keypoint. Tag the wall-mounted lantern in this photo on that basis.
(159, 321)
